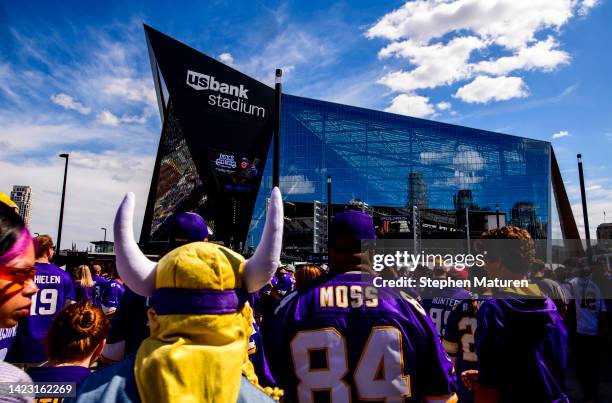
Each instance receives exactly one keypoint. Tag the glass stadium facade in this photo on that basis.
(418, 178)
(390, 160)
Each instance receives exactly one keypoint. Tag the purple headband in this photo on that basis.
(182, 301)
(19, 247)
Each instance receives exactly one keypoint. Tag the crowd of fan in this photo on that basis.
(203, 324)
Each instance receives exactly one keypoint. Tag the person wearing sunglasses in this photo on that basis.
(56, 290)
(16, 283)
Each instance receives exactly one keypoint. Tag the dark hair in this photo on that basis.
(42, 244)
(561, 274)
(11, 226)
(571, 263)
(76, 332)
(537, 266)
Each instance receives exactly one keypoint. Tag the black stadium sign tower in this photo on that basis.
(216, 130)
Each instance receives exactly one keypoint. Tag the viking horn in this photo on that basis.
(260, 268)
(134, 268)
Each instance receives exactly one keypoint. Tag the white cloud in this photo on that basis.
(586, 6)
(560, 134)
(6, 79)
(289, 49)
(599, 199)
(466, 162)
(296, 184)
(443, 106)
(447, 41)
(543, 55)
(131, 89)
(92, 193)
(106, 117)
(112, 78)
(227, 58)
(411, 105)
(96, 179)
(508, 23)
(26, 133)
(436, 64)
(140, 119)
(486, 89)
(68, 102)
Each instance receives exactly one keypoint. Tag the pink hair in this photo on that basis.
(24, 240)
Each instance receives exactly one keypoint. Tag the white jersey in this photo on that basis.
(589, 305)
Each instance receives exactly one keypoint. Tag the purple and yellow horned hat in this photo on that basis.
(200, 322)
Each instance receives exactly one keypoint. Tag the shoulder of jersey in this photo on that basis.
(283, 302)
(413, 302)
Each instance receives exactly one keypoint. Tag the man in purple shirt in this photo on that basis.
(459, 343)
(342, 339)
(439, 303)
(55, 290)
(111, 295)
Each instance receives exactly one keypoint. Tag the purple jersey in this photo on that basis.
(7, 336)
(344, 340)
(439, 303)
(258, 358)
(111, 296)
(459, 341)
(99, 284)
(54, 290)
(83, 293)
(129, 324)
(522, 347)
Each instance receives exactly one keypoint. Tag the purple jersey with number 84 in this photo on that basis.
(345, 340)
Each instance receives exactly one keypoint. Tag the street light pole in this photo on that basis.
(497, 214)
(585, 214)
(467, 229)
(104, 229)
(61, 217)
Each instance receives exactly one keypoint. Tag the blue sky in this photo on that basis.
(75, 77)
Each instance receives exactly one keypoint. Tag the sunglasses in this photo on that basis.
(17, 275)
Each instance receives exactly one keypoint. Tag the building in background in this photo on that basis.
(604, 231)
(103, 246)
(524, 215)
(415, 175)
(22, 196)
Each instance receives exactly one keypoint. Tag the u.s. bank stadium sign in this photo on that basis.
(232, 97)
